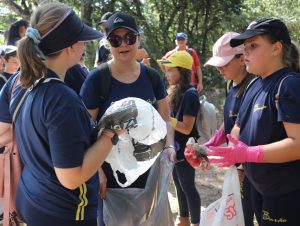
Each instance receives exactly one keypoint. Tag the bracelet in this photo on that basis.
(169, 146)
(174, 121)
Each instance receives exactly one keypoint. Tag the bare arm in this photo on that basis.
(5, 133)
(287, 149)
(235, 132)
(72, 178)
(200, 84)
(93, 113)
(186, 125)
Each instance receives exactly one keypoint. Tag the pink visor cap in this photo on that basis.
(223, 53)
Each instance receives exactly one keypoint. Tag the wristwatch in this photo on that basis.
(115, 139)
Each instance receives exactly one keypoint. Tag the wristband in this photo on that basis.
(169, 146)
(174, 121)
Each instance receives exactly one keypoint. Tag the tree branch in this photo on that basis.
(22, 12)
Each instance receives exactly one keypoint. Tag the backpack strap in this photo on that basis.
(251, 82)
(228, 86)
(16, 110)
(104, 80)
(279, 88)
(152, 73)
(190, 51)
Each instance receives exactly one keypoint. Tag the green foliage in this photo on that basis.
(204, 21)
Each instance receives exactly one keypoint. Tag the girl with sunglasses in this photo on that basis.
(129, 79)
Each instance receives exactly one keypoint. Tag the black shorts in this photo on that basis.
(280, 210)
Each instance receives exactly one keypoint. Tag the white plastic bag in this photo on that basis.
(143, 141)
(206, 120)
(226, 211)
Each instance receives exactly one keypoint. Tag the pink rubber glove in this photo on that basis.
(191, 157)
(217, 139)
(238, 153)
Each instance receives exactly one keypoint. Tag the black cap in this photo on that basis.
(121, 20)
(105, 17)
(274, 27)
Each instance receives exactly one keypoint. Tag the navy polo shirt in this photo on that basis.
(231, 108)
(53, 130)
(141, 88)
(75, 77)
(2, 81)
(5, 97)
(261, 123)
(189, 106)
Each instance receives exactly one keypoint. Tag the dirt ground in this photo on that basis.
(209, 184)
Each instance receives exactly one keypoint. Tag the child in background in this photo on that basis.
(184, 105)
(230, 63)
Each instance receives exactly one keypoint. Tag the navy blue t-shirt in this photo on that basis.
(189, 106)
(261, 123)
(2, 81)
(231, 107)
(5, 97)
(75, 77)
(141, 88)
(53, 130)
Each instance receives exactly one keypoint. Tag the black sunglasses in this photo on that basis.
(116, 40)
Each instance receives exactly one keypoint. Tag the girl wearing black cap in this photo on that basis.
(128, 79)
(59, 184)
(268, 123)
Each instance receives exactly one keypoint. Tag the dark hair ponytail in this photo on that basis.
(175, 92)
(31, 64)
(290, 53)
(291, 58)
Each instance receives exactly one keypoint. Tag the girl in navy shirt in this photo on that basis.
(230, 63)
(184, 104)
(128, 78)
(268, 123)
(58, 185)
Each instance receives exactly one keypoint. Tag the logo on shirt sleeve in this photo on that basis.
(258, 108)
